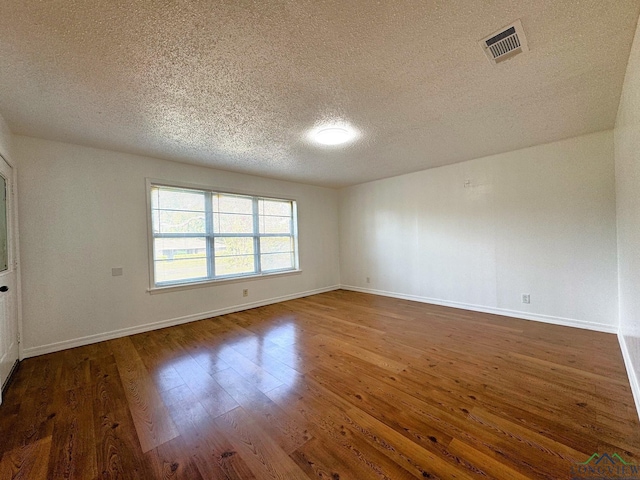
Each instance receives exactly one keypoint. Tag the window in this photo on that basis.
(201, 235)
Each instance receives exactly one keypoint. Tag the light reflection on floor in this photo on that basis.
(266, 361)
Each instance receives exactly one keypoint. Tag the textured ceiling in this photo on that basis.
(237, 84)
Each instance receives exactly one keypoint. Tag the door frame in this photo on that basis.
(14, 255)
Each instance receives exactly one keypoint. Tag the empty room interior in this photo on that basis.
(319, 239)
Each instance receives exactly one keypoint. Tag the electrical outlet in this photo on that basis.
(368, 280)
(245, 292)
(526, 298)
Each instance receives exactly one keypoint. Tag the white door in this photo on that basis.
(8, 310)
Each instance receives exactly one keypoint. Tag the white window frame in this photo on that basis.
(180, 285)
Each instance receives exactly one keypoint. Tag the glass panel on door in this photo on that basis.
(4, 251)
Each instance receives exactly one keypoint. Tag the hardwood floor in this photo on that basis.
(334, 386)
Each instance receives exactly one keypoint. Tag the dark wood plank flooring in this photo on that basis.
(334, 386)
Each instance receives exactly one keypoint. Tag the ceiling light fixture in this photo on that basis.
(334, 135)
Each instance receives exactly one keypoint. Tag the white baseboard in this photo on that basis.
(633, 378)
(123, 332)
(567, 322)
(78, 342)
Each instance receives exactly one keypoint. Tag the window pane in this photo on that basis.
(232, 204)
(275, 207)
(232, 246)
(234, 265)
(165, 198)
(155, 197)
(275, 224)
(232, 223)
(180, 259)
(276, 245)
(178, 222)
(276, 261)
(225, 229)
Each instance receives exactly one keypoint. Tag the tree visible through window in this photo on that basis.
(201, 235)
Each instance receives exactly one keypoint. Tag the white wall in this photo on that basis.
(627, 161)
(83, 211)
(539, 220)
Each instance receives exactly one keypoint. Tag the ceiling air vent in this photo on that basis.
(505, 43)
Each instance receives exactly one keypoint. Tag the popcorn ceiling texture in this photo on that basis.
(236, 85)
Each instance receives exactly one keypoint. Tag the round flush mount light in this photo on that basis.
(333, 135)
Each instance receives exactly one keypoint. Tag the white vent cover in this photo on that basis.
(505, 43)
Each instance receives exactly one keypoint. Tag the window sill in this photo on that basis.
(210, 283)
